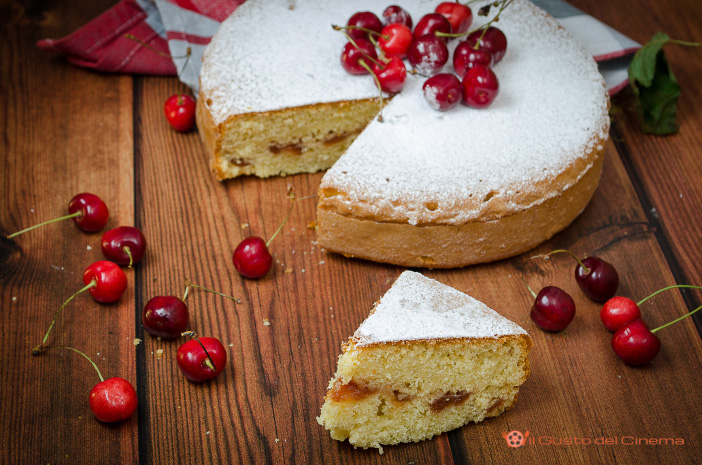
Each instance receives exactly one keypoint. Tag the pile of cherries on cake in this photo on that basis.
(475, 83)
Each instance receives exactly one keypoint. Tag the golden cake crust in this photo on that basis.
(447, 246)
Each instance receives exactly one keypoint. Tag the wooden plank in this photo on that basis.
(263, 408)
(65, 130)
(668, 168)
(578, 388)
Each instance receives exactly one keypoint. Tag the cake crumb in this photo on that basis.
(207, 432)
(303, 270)
(231, 344)
(314, 243)
(322, 262)
(159, 353)
(14, 298)
(312, 225)
(244, 225)
(266, 322)
(89, 247)
(136, 341)
(277, 440)
(288, 270)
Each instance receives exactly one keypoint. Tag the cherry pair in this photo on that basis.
(632, 341)
(168, 317)
(554, 308)
(124, 245)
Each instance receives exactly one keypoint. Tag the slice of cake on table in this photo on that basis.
(427, 360)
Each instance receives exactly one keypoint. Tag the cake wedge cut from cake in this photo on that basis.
(428, 359)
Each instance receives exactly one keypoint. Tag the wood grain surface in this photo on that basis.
(67, 130)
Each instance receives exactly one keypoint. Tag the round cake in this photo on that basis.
(422, 188)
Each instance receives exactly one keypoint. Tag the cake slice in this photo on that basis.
(427, 360)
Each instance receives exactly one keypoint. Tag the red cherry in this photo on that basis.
(252, 258)
(165, 316)
(443, 91)
(618, 311)
(466, 56)
(106, 283)
(110, 281)
(193, 360)
(87, 210)
(351, 56)
(180, 112)
(391, 75)
(480, 87)
(364, 19)
(431, 23)
(599, 280)
(458, 15)
(93, 212)
(395, 40)
(553, 309)
(113, 400)
(428, 54)
(124, 245)
(493, 41)
(635, 344)
(396, 15)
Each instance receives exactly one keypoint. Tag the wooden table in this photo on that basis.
(68, 130)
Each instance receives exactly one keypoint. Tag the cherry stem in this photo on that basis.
(676, 320)
(209, 362)
(126, 250)
(685, 286)
(548, 255)
(188, 285)
(291, 194)
(527, 286)
(355, 45)
(72, 215)
(81, 353)
(364, 29)
(38, 349)
(377, 84)
(485, 27)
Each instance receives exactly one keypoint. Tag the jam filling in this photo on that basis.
(449, 399)
(290, 149)
(351, 391)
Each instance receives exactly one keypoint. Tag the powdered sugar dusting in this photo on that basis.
(292, 58)
(551, 111)
(417, 307)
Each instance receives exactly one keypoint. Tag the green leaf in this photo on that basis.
(643, 65)
(655, 87)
